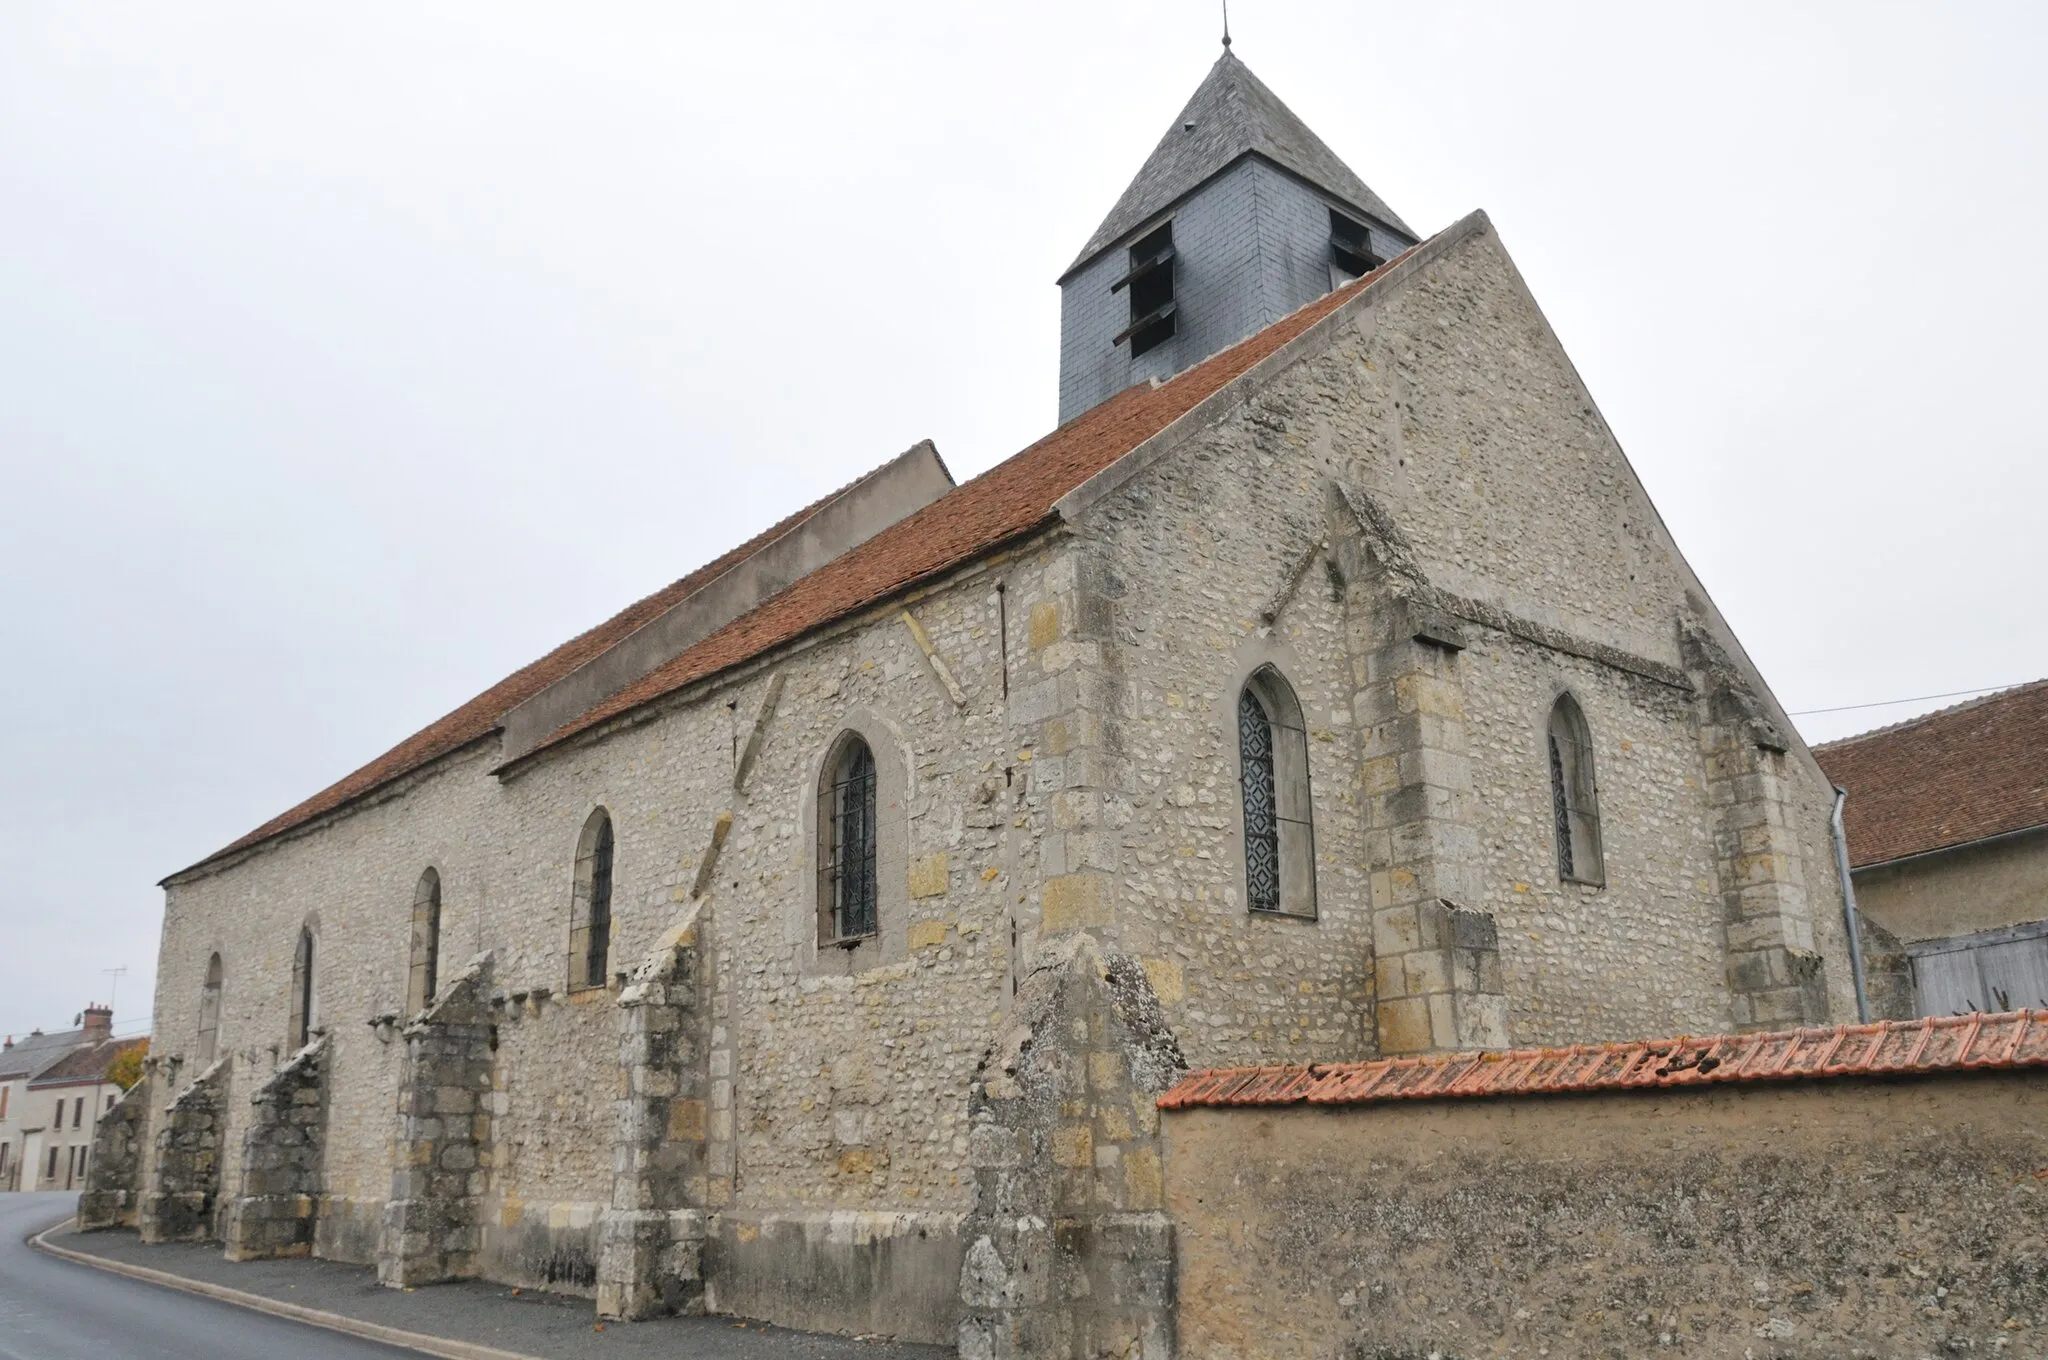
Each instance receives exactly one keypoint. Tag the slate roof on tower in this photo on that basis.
(1233, 115)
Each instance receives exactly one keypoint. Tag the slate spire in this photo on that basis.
(1231, 115)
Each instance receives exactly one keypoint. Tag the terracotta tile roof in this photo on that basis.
(481, 715)
(1888, 1048)
(1001, 504)
(88, 1063)
(1975, 770)
(976, 517)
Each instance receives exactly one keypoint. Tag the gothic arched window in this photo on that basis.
(209, 1012)
(303, 1021)
(847, 898)
(1574, 798)
(424, 972)
(1279, 831)
(590, 935)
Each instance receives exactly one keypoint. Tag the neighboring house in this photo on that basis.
(65, 1102)
(23, 1060)
(1326, 687)
(1947, 820)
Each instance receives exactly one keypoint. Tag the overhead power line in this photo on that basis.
(1888, 703)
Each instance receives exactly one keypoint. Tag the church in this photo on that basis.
(811, 941)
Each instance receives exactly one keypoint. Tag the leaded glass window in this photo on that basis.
(590, 921)
(597, 956)
(1261, 826)
(849, 865)
(423, 975)
(302, 990)
(209, 1014)
(1574, 795)
(1279, 834)
(1560, 806)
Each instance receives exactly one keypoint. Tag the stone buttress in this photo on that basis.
(184, 1177)
(1437, 967)
(1070, 1252)
(1776, 978)
(113, 1177)
(433, 1224)
(284, 1170)
(651, 1239)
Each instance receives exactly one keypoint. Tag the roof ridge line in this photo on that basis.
(1903, 723)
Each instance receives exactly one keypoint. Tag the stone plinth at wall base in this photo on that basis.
(99, 1209)
(182, 1216)
(261, 1226)
(424, 1242)
(850, 1271)
(651, 1263)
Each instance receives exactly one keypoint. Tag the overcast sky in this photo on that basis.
(351, 356)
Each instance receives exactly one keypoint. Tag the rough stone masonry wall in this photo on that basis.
(353, 880)
(1447, 408)
(113, 1176)
(835, 1087)
(184, 1176)
(836, 1082)
(283, 1162)
(1890, 1220)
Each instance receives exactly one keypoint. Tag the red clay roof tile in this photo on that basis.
(1975, 770)
(1888, 1048)
(976, 517)
(481, 715)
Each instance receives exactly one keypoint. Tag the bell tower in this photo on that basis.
(1239, 216)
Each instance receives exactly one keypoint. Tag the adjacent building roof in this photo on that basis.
(979, 516)
(32, 1053)
(1889, 1048)
(1975, 770)
(86, 1064)
(1232, 115)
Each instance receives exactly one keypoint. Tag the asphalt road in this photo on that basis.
(54, 1310)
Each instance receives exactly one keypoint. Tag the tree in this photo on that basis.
(126, 1068)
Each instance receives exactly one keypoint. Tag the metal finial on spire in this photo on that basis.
(1226, 25)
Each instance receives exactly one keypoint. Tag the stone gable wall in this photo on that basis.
(1452, 411)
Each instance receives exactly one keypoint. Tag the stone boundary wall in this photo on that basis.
(113, 1178)
(1885, 1218)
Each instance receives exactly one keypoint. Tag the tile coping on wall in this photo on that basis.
(1895, 1047)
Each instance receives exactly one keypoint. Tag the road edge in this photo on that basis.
(444, 1347)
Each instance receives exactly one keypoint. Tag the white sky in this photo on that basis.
(353, 356)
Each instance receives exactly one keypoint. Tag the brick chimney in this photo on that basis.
(99, 1022)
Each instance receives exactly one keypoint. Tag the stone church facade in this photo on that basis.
(811, 941)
